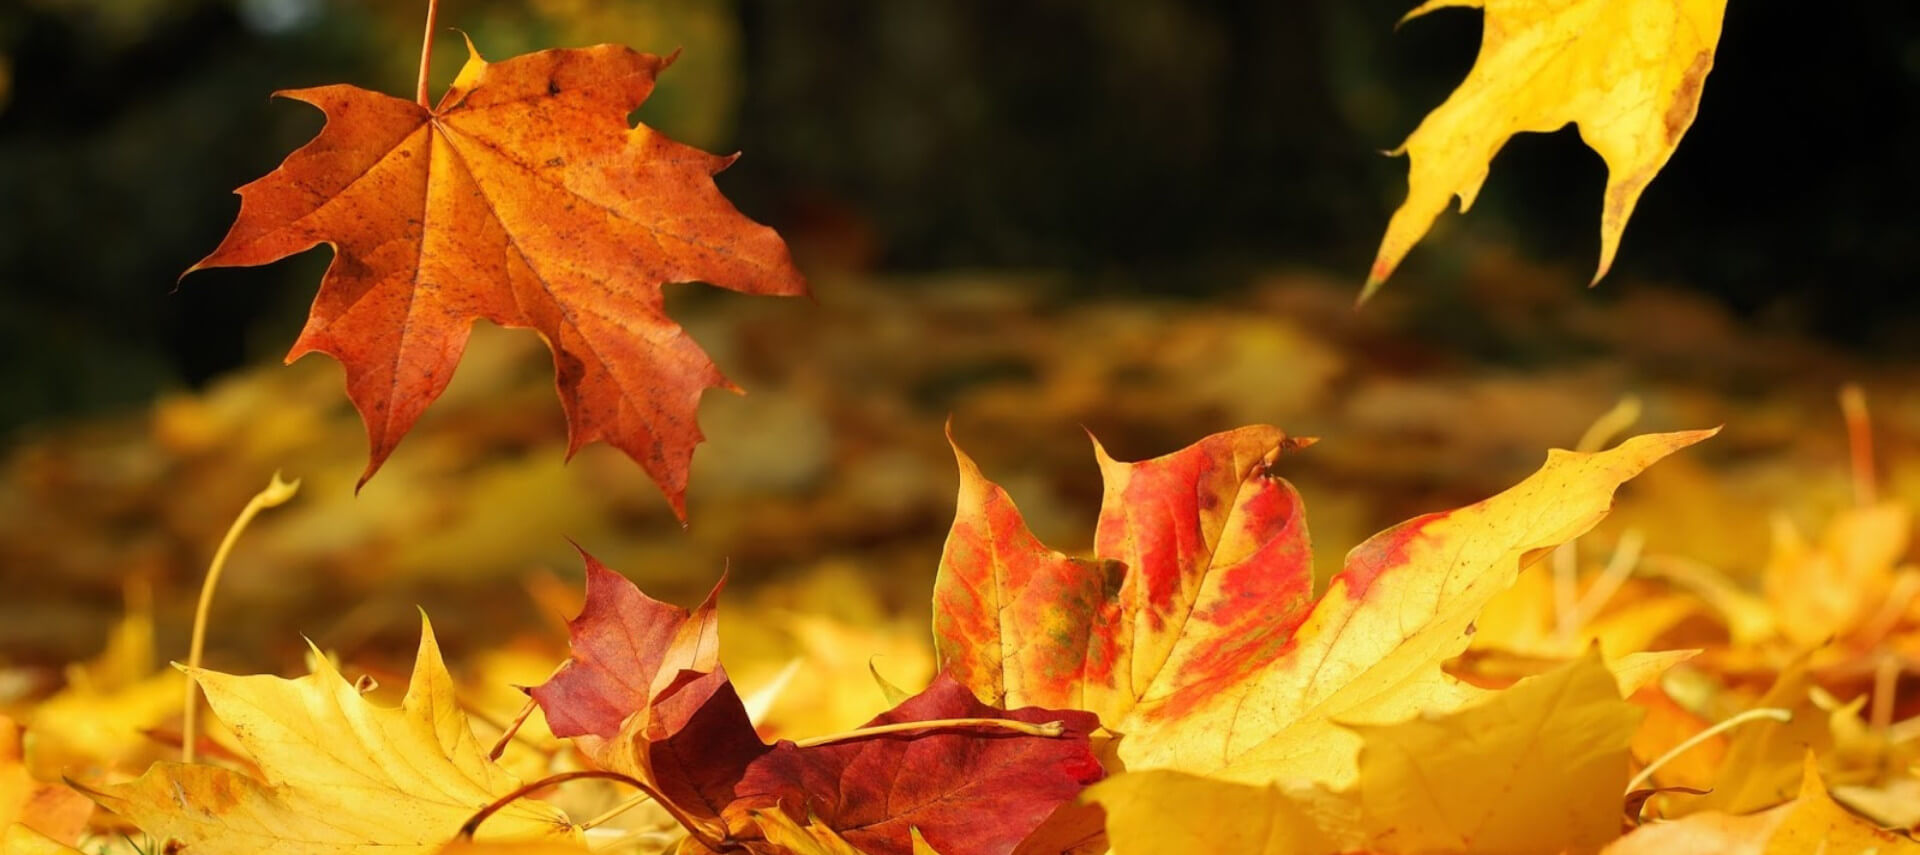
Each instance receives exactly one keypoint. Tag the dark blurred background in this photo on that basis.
(1167, 147)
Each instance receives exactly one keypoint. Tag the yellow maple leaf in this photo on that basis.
(342, 776)
(1627, 72)
(1539, 767)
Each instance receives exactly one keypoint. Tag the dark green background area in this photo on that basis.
(1158, 145)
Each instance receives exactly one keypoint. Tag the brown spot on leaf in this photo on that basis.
(1687, 99)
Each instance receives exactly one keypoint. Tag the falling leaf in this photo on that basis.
(1539, 767)
(526, 199)
(1627, 72)
(1191, 632)
(341, 776)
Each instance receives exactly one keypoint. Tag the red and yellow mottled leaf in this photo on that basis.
(1190, 631)
(524, 198)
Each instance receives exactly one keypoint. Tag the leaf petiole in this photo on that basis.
(426, 50)
(1770, 713)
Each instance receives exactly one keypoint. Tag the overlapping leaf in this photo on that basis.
(1536, 768)
(524, 198)
(1191, 632)
(645, 694)
(1627, 72)
(340, 776)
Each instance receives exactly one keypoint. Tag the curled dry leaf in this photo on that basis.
(1627, 72)
(524, 198)
(1192, 632)
(341, 776)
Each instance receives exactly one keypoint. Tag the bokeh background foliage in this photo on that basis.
(1147, 218)
(1154, 145)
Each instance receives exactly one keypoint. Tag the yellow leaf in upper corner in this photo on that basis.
(1627, 72)
(1539, 767)
(342, 776)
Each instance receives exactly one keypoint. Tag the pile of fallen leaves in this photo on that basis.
(1467, 681)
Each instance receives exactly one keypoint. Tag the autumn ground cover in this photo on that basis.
(1158, 623)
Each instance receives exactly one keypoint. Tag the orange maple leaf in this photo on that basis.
(524, 198)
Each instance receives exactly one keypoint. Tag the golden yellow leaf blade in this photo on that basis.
(342, 776)
(1627, 72)
(1539, 767)
(17, 839)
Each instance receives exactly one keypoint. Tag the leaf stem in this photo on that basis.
(426, 50)
(277, 492)
(1771, 713)
(635, 801)
(511, 730)
(472, 824)
(1052, 728)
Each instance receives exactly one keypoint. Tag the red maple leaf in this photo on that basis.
(644, 694)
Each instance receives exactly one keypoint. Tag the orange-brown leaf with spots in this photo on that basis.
(524, 198)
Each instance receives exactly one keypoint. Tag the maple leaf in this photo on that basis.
(526, 199)
(1191, 633)
(1539, 767)
(876, 791)
(1627, 72)
(342, 776)
(645, 695)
